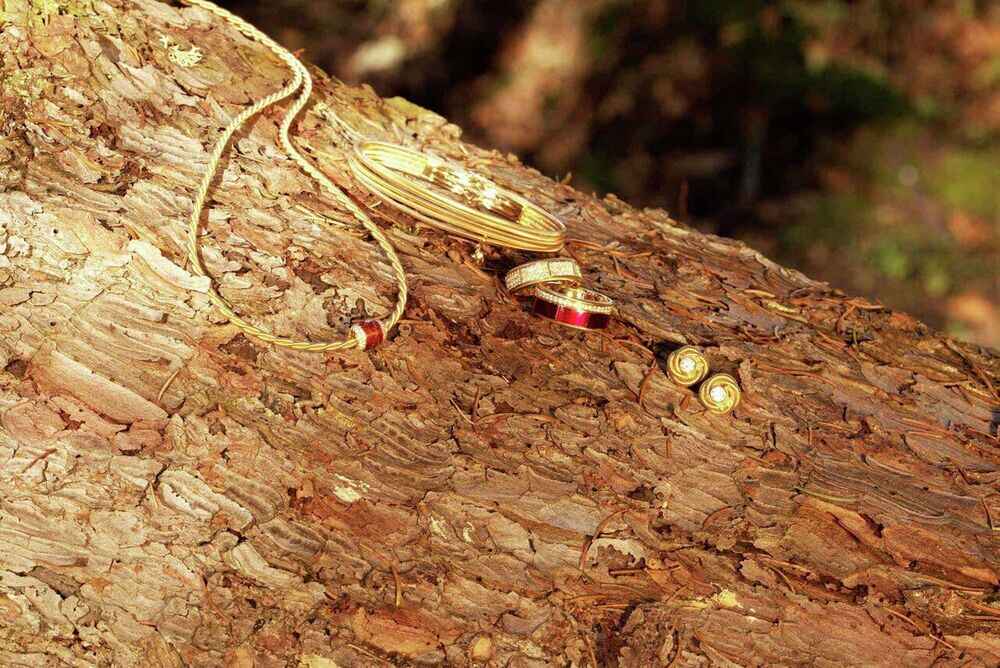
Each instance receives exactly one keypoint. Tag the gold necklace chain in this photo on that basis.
(301, 79)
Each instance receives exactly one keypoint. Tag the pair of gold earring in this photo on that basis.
(688, 366)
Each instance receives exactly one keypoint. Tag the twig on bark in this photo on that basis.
(917, 627)
(597, 533)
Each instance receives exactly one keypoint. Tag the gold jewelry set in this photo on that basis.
(449, 197)
(444, 195)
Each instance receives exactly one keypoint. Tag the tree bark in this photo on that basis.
(484, 489)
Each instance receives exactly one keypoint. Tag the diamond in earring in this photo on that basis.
(720, 394)
(687, 365)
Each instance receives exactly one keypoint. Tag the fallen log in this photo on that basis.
(486, 488)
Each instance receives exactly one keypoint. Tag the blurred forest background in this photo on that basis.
(856, 141)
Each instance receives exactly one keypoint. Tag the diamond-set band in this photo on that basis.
(539, 272)
(573, 306)
(573, 297)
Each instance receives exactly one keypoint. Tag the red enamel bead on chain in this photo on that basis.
(368, 334)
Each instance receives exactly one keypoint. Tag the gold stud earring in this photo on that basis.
(687, 365)
(720, 393)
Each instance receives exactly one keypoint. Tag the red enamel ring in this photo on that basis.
(573, 306)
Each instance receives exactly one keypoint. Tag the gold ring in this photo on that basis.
(539, 272)
(720, 393)
(573, 306)
(687, 365)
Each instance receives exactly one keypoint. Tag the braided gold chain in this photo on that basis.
(302, 82)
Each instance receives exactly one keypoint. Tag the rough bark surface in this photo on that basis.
(486, 489)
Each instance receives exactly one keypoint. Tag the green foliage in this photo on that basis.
(892, 259)
(970, 180)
